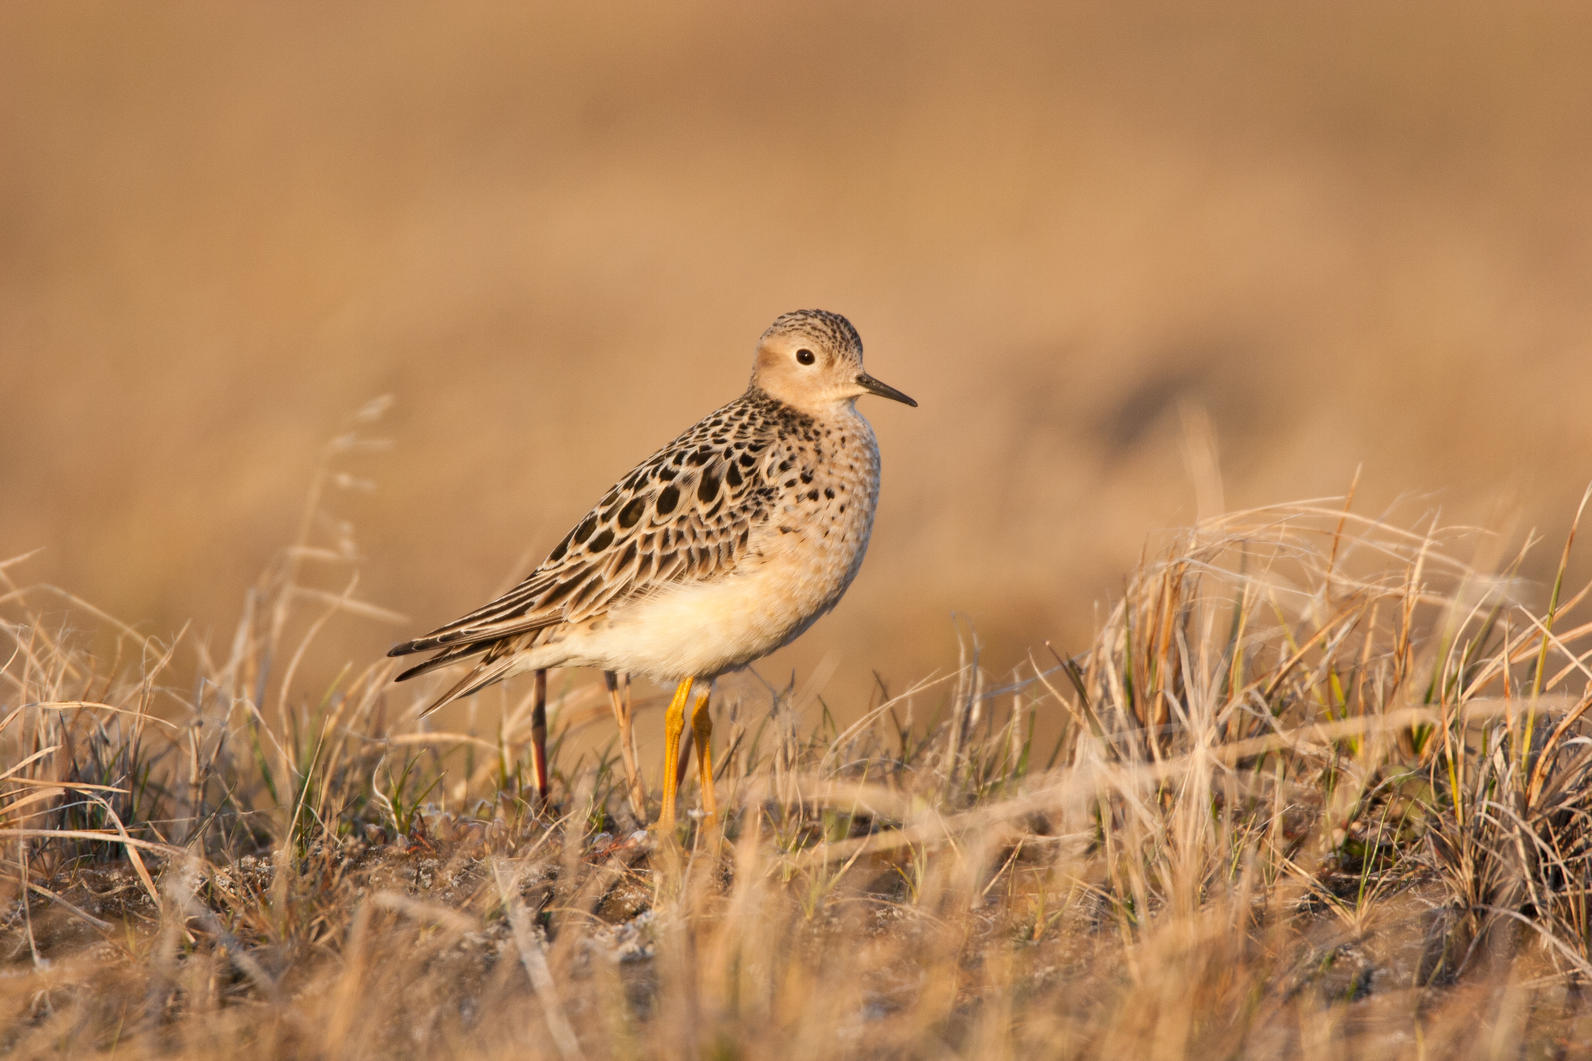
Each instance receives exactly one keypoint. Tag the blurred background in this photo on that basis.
(1136, 262)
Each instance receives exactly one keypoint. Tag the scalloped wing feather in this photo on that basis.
(686, 513)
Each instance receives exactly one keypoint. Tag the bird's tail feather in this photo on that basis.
(485, 673)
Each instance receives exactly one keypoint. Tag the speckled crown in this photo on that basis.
(832, 328)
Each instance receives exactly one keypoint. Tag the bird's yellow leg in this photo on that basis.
(673, 726)
(702, 732)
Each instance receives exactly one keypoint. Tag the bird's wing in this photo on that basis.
(686, 513)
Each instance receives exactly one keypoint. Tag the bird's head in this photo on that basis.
(812, 360)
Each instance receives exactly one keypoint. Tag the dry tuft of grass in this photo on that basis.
(1319, 786)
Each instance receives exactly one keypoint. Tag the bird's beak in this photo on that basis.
(883, 390)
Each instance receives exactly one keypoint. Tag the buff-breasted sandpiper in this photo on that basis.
(719, 548)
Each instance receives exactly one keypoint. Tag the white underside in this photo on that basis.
(699, 629)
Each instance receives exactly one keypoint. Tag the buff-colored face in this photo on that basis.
(812, 361)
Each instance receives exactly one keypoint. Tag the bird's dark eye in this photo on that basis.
(805, 356)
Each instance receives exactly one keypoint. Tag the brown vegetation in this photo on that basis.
(1320, 788)
(1306, 783)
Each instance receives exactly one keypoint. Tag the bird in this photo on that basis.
(722, 546)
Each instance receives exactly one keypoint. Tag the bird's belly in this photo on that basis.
(702, 629)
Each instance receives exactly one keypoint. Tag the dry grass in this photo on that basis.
(1315, 784)
(1321, 786)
